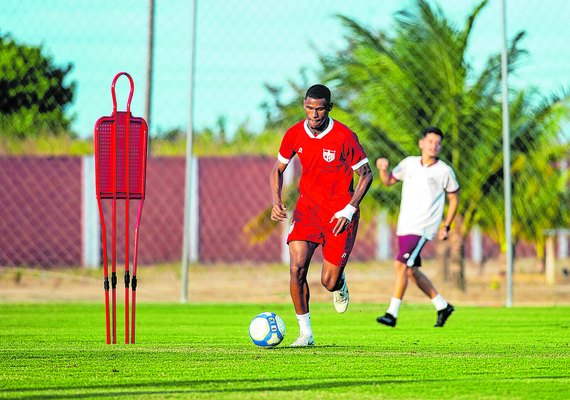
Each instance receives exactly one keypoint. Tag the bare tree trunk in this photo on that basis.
(442, 254)
(457, 250)
(481, 266)
(540, 247)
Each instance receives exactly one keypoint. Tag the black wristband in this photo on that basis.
(447, 228)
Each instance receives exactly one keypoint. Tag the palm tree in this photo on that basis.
(421, 76)
(540, 188)
(388, 88)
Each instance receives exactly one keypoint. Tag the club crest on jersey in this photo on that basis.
(329, 155)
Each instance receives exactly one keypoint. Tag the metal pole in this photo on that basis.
(149, 62)
(189, 162)
(507, 159)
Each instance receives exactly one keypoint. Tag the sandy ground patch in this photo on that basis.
(246, 283)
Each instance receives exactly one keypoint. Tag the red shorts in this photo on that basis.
(311, 223)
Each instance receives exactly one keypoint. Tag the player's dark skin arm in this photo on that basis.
(364, 182)
(279, 210)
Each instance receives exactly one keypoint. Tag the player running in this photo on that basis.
(425, 179)
(327, 209)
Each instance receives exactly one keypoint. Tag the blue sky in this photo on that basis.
(242, 44)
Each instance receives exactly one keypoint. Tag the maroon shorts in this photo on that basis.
(410, 247)
(311, 223)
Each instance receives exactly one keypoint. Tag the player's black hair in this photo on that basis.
(432, 129)
(319, 92)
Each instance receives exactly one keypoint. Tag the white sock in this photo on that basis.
(394, 307)
(439, 302)
(305, 324)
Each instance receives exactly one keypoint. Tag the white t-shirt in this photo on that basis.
(423, 195)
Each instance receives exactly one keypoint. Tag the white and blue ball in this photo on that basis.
(267, 329)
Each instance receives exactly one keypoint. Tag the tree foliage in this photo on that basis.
(387, 87)
(35, 93)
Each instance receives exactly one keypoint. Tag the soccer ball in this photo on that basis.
(266, 329)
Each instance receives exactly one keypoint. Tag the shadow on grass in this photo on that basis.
(228, 387)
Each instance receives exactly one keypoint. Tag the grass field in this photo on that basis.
(55, 351)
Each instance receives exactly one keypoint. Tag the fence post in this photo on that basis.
(90, 226)
(194, 253)
(476, 245)
(383, 237)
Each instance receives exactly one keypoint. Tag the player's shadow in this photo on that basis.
(193, 387)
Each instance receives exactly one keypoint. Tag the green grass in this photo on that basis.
(50, 351)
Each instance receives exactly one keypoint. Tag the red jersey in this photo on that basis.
(328, 160)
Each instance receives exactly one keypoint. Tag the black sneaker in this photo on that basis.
(387, 319)
(443, 315)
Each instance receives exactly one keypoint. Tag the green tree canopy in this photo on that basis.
(388, 87)
(34, 91)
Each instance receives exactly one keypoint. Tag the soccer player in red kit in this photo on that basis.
(327, 209)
